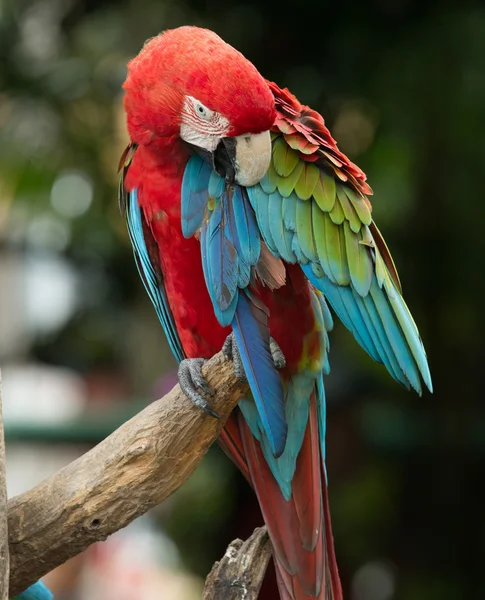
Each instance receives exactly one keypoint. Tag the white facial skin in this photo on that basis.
(204, 128)
(201, 126)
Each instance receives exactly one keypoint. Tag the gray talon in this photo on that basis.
(277, 354)
(231, 351)
(191, 381)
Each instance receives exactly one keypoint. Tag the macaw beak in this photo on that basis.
(251, 158)
(243, 159)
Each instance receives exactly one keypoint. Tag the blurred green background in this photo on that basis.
(402, 87)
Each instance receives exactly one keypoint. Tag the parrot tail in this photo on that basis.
(299, 528)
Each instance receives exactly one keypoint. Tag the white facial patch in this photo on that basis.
(201, 126)
(253, 156)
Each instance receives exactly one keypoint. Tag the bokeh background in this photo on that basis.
(401, 84)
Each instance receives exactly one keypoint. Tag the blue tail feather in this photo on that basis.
(252, 336)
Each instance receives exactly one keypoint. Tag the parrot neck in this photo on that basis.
(157, 171)
(158, 177)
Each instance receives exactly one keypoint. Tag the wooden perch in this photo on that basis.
(4, 558)
(240, 573)
(132, 470)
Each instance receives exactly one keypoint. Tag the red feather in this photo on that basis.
(196, 62)
(300, 529)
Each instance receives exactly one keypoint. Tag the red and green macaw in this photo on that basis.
(247, 222)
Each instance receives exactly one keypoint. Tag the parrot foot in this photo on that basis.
(277, 354)
(191, 381)
(231, 351)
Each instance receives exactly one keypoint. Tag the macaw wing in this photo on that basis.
(311, 208)
(230, 240)
(145, 251)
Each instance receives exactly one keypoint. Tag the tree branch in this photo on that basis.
(4, 558)
(240, 573)
(132, 470)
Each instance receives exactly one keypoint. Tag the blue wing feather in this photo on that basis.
(381, 340)
(244, 268)
(148, 275)
(224, 316)
(194, 195)
(252, 337)
(378, 328)
(282, 237)
(395, 335)
(222, 260)
(247, 229)
(216, 185)
(260, 202)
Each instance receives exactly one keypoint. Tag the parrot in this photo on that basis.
(248, 225)
(37, 591)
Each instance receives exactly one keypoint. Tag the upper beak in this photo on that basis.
(243, 159)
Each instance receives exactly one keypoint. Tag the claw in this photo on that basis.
(277, 354)
(191, 381)
(231, 351)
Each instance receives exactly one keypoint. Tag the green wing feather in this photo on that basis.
(312, 207)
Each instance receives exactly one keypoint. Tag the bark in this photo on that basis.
(240, 573)
(132, 470)
(4, 558)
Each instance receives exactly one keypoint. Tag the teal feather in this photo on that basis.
(394, 334)
(388, 357)
(304, 229)
(411, 333)
(322, 417)
(222, 259)
(359, 322)
(327, 315)
(382, 325)
(323, 324)
(281, 235)
(317, 269)
(250, 327)
(223, 316)
(297, 403)
(298, 392)
(37, 591)
(153, 287)
(194, 194)
(300, 256)
(288, 209)
(199, 173)
(381, 343)
(231, 233)
(319, 236)
(326, 364)
(337, 296)
(251, 415)
(260, 203)
(216, 185)
(269, 182)
(249, 237)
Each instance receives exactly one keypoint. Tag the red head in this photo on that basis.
(189, 83)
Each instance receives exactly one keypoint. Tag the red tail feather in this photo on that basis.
(300, 529)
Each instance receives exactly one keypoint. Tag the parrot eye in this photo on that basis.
(200, 126)
(202, 111)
